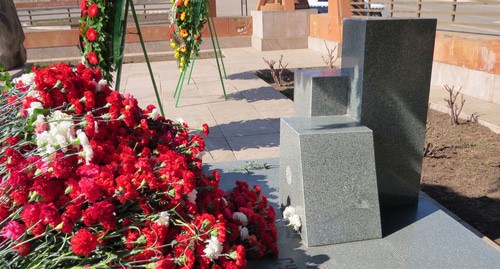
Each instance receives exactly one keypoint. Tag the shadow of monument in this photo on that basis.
(258, 94)
(250, 130)
(482, 213)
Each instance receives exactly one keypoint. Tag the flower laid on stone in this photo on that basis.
(91, 180)
(292, 217)
(187, 19)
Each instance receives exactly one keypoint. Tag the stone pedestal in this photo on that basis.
(279, 30)
(327, 173)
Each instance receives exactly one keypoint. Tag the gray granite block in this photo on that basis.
(327, 173)
(389, 62)
(418, 236)
(320, 92)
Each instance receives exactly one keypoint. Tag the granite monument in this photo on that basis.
(354, 145)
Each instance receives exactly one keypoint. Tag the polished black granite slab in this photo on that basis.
(421, 236)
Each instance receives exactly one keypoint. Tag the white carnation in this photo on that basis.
(154, 114)
(163, 218)
(40, 119)
(63, 143)
(33, 106)
(243, 232)
(84, 142)
(192, 196)
(213, 249)
(288, 212)
(82, 136)
(99, 85)
(295, 222)
(89, 153)
(27, 79)
(241, 217)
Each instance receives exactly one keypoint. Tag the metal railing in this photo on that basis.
(453, 15)
(70, 14)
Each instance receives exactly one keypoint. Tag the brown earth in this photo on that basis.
(461, 169)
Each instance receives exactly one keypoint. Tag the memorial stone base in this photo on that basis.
(330, 179)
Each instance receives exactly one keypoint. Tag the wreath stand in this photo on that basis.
(119, 32)
(217, 51)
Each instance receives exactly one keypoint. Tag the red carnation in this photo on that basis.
(84, 242)
(240, 256)
(49, 214)
(13, 230)
(90, 188)
(166, 263)
(205, 129)
(93, 10)
(83, 5)
(91, 34)
(92, 58)
(23, 249)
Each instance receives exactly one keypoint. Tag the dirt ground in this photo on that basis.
(461, 170)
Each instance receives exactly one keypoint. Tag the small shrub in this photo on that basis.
(331, 56)
(277, 73)
(455, 109)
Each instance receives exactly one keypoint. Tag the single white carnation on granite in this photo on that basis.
(288, 212)
(295, 222)
(292, 217)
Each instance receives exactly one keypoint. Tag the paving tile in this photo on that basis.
(247, 127)
(217, 150)
(255, 146)
(232, 110)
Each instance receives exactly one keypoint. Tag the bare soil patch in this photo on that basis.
(461, 170)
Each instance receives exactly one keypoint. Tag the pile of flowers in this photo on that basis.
(96, 34)
(90, 180)
(187, 19)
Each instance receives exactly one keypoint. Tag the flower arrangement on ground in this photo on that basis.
(187, 19)
(90, 180)
(96, 30)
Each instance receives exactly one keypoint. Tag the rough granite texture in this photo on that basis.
(390, 63)
(12, 51)
(419, 237)
(320, 92)
(336, 198)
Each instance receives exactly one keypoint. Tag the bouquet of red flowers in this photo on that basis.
(90, 180)
(96, 28)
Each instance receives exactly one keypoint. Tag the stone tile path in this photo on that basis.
(246, 126)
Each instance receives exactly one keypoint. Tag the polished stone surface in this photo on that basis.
(327, 173)
(390, 62)
(320, 92)
(419, 236)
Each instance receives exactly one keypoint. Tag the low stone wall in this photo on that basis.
(232, 32)
(469, 61)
